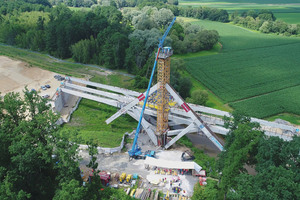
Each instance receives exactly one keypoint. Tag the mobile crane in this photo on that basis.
(136, 152)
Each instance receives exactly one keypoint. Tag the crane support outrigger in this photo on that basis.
(135, 151)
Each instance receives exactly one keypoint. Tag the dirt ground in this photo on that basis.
(15, 75)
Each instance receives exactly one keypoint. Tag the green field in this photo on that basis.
(291, 18)
(89, 121)
(255, 73)
(288, 11)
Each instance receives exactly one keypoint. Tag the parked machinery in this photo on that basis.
(128, 178)
(122, 177)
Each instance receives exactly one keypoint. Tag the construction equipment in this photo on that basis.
(122, 177)
(136, 152)
(150, 153)
(128, 178)
(105, 178)
(187, 156)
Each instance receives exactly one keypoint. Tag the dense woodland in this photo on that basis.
(37, 162)
(276, 163)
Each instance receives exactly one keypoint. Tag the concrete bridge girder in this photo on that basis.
(195, 121)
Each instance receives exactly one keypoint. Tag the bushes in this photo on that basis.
(264, 21)
(212, 14)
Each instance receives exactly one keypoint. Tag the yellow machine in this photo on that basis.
(132, 192)
(122, 177)
(128, 178)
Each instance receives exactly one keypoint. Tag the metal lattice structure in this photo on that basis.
(163, 77)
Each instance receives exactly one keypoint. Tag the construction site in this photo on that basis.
(153, 166)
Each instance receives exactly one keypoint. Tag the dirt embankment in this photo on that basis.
(15, 75)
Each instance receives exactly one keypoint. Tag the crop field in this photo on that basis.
(252, 69)
(283, 101)
(291, 18)
(286, 10)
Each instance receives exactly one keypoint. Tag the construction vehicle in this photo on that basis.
(122, 177)
(136, 152)
(105, 178)
(150, 153)
(187, 156)
(128, 178)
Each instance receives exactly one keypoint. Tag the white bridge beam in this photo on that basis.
(187, 116)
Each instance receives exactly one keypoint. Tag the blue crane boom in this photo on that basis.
(136, 150)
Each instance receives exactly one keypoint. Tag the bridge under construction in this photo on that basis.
(192, 118)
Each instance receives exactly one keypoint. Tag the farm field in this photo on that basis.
(285, 10)
(291, 18)
(252, 69)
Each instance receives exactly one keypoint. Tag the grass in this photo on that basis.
(288, 11)
(290, 6)
(89, 121)
(294, 119)
(291, 18)
(255, 73)
(267, 105)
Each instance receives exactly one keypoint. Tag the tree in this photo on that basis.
(241, 148)
(93, 152)
(184, 87)
(272, 183)
(29, 139)
(163, 17)
(208, 192)
(199, 97)
(266, 27)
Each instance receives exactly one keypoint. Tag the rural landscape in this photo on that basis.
(159, 99)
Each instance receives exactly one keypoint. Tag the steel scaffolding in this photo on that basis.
(163, 77)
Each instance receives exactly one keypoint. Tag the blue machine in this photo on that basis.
(136, 152)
